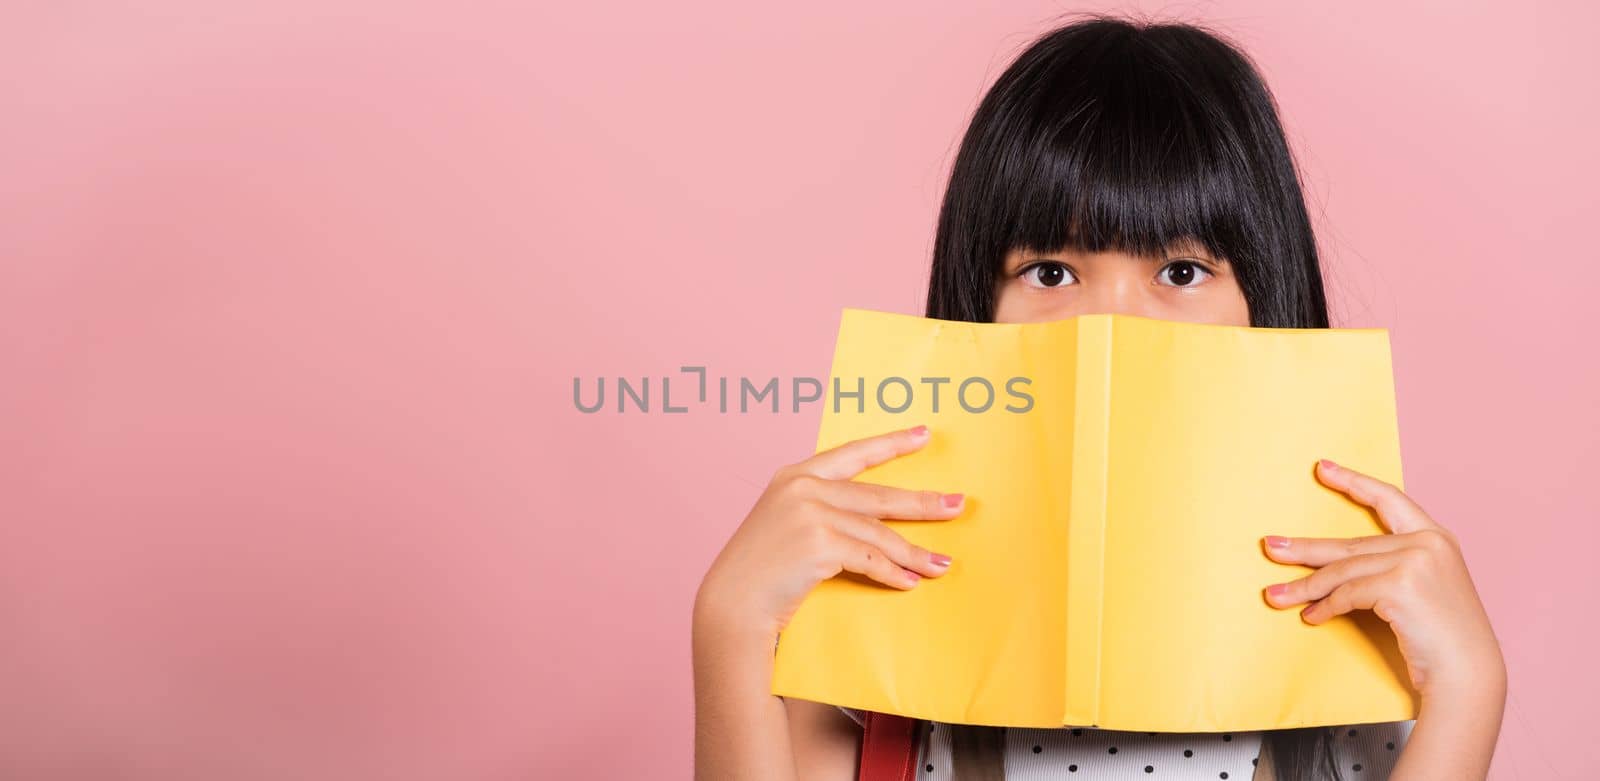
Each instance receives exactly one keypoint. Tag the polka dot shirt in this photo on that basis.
(1366, 751)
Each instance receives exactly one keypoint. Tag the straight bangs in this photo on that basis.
(1124, 163)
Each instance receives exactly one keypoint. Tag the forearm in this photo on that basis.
(1455, 734)
(741, 728)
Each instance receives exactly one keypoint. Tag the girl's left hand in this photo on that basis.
(1414, 578)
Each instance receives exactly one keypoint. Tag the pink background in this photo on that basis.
(292, 296)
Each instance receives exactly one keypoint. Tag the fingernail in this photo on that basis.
(1326, 464)
(1275, 591)
(912, 578)
(939, 559)
(952, 501)
(1274, 541)
(919, 431)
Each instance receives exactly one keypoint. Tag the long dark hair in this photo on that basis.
(1113, 134)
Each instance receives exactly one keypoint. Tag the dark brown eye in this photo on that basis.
(1047, 275)
(1183, 273)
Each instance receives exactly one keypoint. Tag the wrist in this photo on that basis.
(729, 622)
(1475, 684)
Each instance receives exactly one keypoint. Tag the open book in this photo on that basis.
(1108, 569)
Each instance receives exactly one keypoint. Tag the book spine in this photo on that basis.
(1086, 520)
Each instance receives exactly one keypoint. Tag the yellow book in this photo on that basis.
(1108, 568)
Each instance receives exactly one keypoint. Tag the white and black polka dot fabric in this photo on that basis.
(1364, 751)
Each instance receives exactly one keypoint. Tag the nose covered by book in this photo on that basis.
(1120, 474)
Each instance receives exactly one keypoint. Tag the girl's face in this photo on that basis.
(1185, 284)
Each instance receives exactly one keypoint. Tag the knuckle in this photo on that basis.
(883, 502)
(1339, 600)
(888, 542)
(1403, 581)
(802, 484)
(907, 551)
(1312, 586)
(1436, 540)
(783, 474)
(1449, 537)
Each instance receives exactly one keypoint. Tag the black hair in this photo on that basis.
(1113, 134)
(1109, 134)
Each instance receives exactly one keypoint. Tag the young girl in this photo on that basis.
(1114, 167)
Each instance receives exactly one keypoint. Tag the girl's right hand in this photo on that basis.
(812, 523)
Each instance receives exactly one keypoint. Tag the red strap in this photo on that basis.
(888, 748)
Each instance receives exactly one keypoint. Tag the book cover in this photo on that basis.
(1120, 474)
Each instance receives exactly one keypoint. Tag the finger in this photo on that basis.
(1396, 510)
(1321, 551)
(854, 457)
(856, 556)
(881, 501)
(1358, 594)
(873, 532)
(1326, 580)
